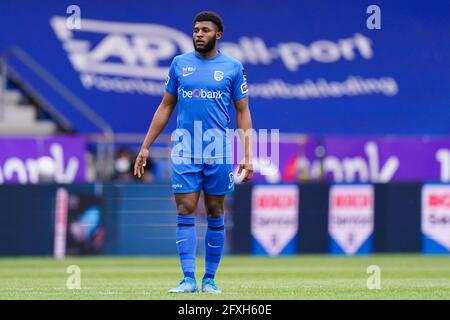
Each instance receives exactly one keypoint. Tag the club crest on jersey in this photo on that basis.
(218, 75)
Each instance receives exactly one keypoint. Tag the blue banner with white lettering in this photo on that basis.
(313, 66)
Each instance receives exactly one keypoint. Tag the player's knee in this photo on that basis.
(214, 211)
(185, 209)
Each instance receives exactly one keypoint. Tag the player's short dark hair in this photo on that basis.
(210, 16)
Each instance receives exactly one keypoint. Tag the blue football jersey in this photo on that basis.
(205, 89)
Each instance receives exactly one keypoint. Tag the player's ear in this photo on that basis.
(218, 35)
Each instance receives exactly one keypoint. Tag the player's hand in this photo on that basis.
(141, 162)
(247, 167)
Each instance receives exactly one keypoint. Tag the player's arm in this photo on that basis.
(159, 121)
(244, 124)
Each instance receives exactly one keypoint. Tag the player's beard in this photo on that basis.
(208, 46)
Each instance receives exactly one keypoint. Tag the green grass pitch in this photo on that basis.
(239, 277)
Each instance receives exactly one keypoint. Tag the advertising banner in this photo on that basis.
(436, 218)
(330, 71)
(274, 220)
(351, 219)
(48, 159)
(364, 159)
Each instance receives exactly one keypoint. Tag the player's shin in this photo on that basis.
(186, 240)
(214, 242)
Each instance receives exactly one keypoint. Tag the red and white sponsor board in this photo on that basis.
(351, 215)
(436, 213)
(274, 216)
(61, 215)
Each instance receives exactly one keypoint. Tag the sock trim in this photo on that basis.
(216, 228)
(216, 222)
(185, 219)
(186, 225)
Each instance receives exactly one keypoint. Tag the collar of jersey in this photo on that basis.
(203, 59)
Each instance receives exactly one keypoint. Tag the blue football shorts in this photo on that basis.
(213, 179)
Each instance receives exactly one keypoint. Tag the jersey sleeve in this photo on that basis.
(171, 81)
(239, 88)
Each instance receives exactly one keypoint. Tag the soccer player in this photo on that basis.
(203, 83)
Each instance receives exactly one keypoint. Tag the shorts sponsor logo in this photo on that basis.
(230, 185)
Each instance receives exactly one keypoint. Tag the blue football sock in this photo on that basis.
(186, 240)
(214, 241)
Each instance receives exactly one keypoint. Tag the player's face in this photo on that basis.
(205, 36)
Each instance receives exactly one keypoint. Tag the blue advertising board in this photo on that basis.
(313, 66)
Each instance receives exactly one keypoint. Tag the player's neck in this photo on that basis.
(208, 55)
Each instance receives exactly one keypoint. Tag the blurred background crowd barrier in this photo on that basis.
(362, 107)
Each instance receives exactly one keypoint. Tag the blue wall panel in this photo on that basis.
(313, 66)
